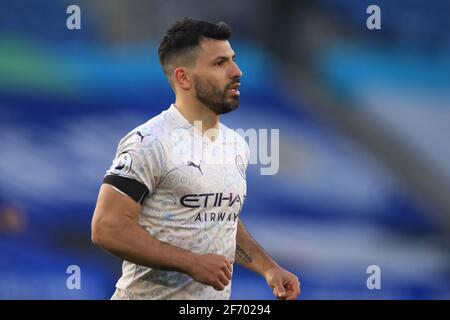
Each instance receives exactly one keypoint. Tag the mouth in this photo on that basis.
(234, 89)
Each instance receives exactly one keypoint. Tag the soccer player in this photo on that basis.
(169, 205)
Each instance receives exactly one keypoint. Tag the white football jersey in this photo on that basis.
(192, 193)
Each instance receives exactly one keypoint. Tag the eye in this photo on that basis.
(219, 63)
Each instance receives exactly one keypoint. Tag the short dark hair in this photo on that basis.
(185, 35)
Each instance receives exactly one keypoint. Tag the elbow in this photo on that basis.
(106, 232)
(96, 235)
(99, 233)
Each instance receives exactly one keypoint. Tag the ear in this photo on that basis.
(182, 77)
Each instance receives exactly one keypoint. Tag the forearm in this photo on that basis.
(250, 254)
(129, 241)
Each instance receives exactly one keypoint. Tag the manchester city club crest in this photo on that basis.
(240, 166)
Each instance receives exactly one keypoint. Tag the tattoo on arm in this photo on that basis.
(243, 255)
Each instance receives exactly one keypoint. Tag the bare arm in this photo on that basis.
(252, 256)
(115, 228)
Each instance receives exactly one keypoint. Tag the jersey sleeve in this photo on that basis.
(137, 168)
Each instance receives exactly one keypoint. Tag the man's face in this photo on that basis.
(217, 76)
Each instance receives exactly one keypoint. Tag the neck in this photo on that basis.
(195, 111)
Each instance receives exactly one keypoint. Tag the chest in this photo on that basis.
(212, 179)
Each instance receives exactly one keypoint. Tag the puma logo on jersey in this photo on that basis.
(190, 163)
(141, 135)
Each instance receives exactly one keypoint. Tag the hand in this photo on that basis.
(285, 285)
(212, 269)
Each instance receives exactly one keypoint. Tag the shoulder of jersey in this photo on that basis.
(154, 129)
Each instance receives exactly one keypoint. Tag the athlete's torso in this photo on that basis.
(197, 189)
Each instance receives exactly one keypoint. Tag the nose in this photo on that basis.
(236, 72)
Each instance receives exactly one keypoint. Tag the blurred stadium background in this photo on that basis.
(364, 119)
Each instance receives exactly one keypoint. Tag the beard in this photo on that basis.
(214, 98)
